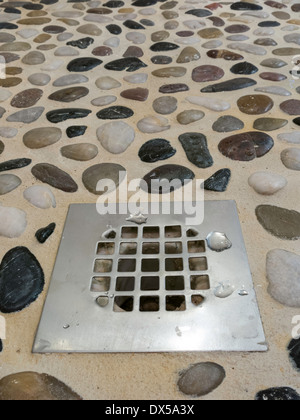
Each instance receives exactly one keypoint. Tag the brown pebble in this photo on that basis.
(133, 51)
(34, 21)
(55, 177)
(137, 94)
(174, 88)
(237, 29)
(210, 33)
(102, 51)
(27, 98)
(207, 73)
(10, 82)
(225, 54)
(40, 39)
(273, 77)
(255, 104)
(291, 107)
(54, 29)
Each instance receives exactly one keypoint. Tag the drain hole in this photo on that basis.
(129, 232)
(110, 234)
(175, 283)
(198, 264)
(196, 247)
(192, 233)
(123, 304)
(106, 248)
(197, 300)
(173, 248)
(149, 266)
(125, 284)
(128, 248)
(127, 266)
(151, 248)
(173, 232)
(175, 303)
(200, 283)
(100, 284)
(103, 266)
(151, 232)
(149, 304)
(174, 264)
(149, 283)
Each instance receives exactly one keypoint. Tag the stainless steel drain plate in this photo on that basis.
(118, 286)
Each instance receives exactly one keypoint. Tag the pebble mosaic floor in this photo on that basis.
(188, 89)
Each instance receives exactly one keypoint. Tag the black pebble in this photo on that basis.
(245, 6)
(163, 46)
(294, 349)
(7, 25)
(199, 13)
(76, 131)
(1, 346)
(269, 24)
(167, 173)
(161, 59)
(60, 115)
(278, 394)
(21, 280)
(131, 24)
(115, 113)
(82, 43)
(230, 85)
(144, 3)
(129, 64)
(43, 234)
(114, 4)
(147, 22)
(244, 68)
(114, 29)
(155, 150)
(297, 121)
(219, 181)
(195, 147)
(83, 64)
(14, 164)
(1, 147)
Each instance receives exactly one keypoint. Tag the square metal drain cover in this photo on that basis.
(160, 286)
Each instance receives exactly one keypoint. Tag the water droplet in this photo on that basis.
(102, 301)
(224, 290)
(218, 241)
(66, 326)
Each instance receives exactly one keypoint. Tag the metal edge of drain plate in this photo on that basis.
(227, 320)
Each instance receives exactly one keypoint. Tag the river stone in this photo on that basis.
(55, 177)
(60, 115)
(8, 132)
(92, 176)
(291, 107)
(4, 95)
(210, 33)
(116, 136)
(32, 386)
(207, 73)
(107, 83)
(249, 48)
(266, 42)
(269, 124)
(153, 124)
(66, 52)
(230, 85)
(76, 131)
(274, 90)
(10, 82)
(201, 379)
(246, 146)
(190, 116)
(81, 43)
(136, 78)
(137, 94)
(165, 105)
(294, 353)
(188, 55)
(14, 164)
(293, 137)
(170, 72)
(43, 234)
(219, 181)
(209, 103)
(267, 183)
(228, 123)
(42, 137)
(21, 281)
(280, 222)
(273, 77)
(174, 88)
(278, 394)
(283, 273)
(102, 51)
(104, 100)
(133, 51)
(39, 79)
(34, 58)
(293, 38)
(273, 63)
(70, 79)
(80, 152)
(161, 59)
(155, 150)
(115, 113)
(158, 180)
(244, 68)
(15, 46)
(199, 12)
(1, 147)
(245, 6)
(26, 116)
(83, 64)
(70, 94)
(196, 149)
(225, 54)
(283, 52)
(164, 46)
(130, 64)
(40, 197)
(291, 158)
(27, 98)
(160, 36)
(8, 183)
(255, 104)
(90, 29)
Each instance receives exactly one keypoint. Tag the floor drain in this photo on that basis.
(157, 287)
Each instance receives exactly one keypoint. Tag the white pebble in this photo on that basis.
(290, 137)
(209, 103)
(153, 125)
(267, 183)
(136, 78)
(12, 222)
(40, 196)
(116, 136)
